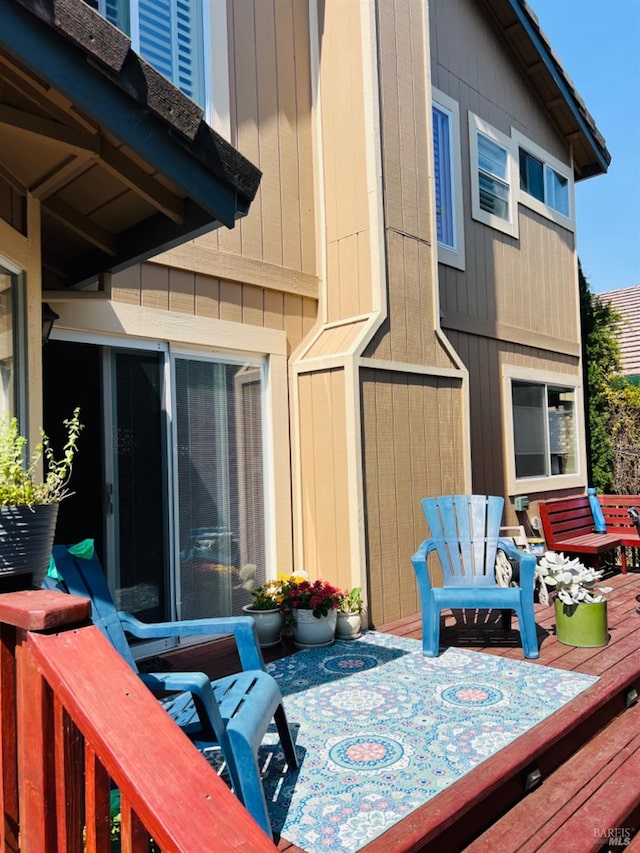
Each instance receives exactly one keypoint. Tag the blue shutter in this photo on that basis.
(445, 224)
(171, 38)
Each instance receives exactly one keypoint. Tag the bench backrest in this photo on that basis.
(564, 518)
(615, 509)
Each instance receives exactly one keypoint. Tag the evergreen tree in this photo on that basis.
(601, 363)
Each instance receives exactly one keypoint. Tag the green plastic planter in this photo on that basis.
(583, 625)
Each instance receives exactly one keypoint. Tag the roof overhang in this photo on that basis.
(122, 162)
(531, 50)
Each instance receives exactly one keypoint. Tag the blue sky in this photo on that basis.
(598, 43)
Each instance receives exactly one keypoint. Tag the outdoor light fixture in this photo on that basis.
(49, 317)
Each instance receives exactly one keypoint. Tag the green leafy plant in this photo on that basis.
(20, 483)
(351, 600)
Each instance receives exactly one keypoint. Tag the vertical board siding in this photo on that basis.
(529, 282)
(412, 447)
(408, 336)
(486, 358)
(156, 286)
(346, 199)
(270, 81)
(323, 458)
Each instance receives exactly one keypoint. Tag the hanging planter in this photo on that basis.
(583, 625)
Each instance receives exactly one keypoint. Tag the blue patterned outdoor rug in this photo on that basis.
(380, 729)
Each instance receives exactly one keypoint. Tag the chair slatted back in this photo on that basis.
(465, 530)
(87, 579)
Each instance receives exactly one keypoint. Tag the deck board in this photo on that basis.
(475, 804)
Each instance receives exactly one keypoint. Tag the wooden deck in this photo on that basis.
(572, 783)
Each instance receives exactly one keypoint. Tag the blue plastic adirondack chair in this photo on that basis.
(465, 534)
(234, 712)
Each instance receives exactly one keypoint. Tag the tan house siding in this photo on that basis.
(346, 202)
(270, 83)
(516, 301)
(486, 358)
(154, 285)
(325, 501)
(413, 446)
(527, 283)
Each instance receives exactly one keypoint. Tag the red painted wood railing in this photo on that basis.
(73, 718)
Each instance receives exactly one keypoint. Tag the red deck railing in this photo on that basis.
(74, 718)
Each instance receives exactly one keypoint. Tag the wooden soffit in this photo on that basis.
(122, 162)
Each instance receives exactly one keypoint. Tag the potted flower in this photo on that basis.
(349, 620)
(28, 501)
(265, 609)
(311, 608)
(580, 605)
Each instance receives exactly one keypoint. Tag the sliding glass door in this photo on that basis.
(219, 484)
(184, 482)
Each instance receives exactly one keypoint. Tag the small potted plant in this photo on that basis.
(265, 609)
(349, 622)
(580, 605)
(29, 502)
(311, 608)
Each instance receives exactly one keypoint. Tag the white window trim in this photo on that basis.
(453, 257)
(507, 226)
(517, 486)
(562, 169)
(216, 67)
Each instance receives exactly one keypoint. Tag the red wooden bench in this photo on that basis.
(615, 509)
(568, 526)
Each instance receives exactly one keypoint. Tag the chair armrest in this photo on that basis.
(242, 628)
(527, 562)
(419, 561)
(199, 686)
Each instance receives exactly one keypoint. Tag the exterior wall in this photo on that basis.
(413, 446)
(154, 285)
(516, 302)
(379, 312)
(271, 125)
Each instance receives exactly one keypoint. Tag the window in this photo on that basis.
(544, 429)
(186, 40)
(448, 182)
(544, 183)
(491, 177)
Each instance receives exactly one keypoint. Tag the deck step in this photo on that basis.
(589, 800)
